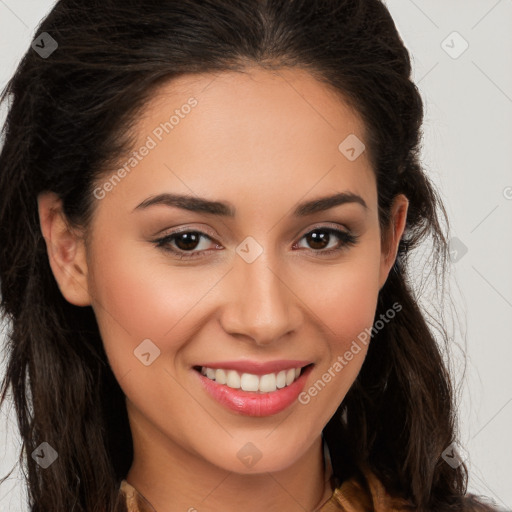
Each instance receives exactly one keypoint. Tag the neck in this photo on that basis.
(173, 479)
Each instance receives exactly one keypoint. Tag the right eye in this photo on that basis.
(182, 242)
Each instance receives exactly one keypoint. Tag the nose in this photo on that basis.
(261, 306)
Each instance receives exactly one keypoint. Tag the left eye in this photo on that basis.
(319, 238)
(185, 242)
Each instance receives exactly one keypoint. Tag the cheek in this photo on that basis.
(139, 296)
(126, 298)
(344, 297)
(344, 300)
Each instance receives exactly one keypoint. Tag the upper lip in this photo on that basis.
(257, 367)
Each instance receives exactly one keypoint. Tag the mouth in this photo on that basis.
(260, 393)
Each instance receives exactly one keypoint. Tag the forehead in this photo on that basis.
(280, 97)
(248, 134)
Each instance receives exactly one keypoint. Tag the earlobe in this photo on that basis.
(66, 250)
(390, 247)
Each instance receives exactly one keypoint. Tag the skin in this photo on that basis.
(264, 142)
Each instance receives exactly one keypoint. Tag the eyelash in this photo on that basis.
(347, 240)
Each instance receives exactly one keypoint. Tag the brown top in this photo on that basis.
(351, 496)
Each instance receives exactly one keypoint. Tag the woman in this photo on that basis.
(194, 338)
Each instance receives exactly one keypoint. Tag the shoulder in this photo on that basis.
(364, 491)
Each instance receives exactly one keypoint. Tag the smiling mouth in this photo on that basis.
(267, 383)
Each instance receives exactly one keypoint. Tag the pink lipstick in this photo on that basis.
(254, 388)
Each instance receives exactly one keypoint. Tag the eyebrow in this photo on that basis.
(198, 204)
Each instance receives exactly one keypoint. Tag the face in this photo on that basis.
(251, 277)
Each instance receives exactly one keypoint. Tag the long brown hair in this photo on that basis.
(69, 118)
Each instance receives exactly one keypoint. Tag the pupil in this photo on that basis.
(321, 238)
(190, 241)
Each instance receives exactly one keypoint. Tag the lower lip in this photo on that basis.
(251, 403)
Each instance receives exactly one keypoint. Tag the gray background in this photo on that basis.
(467, 150)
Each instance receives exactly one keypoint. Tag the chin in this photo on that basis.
(258, 457)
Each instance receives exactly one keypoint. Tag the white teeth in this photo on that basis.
(281, 379)
(268, 383)
(250, 382)
(220, 376)
(233, 379)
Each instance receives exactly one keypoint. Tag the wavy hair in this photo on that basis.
(70, 117)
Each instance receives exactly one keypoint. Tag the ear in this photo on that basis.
(392, 236)
(66, 250)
